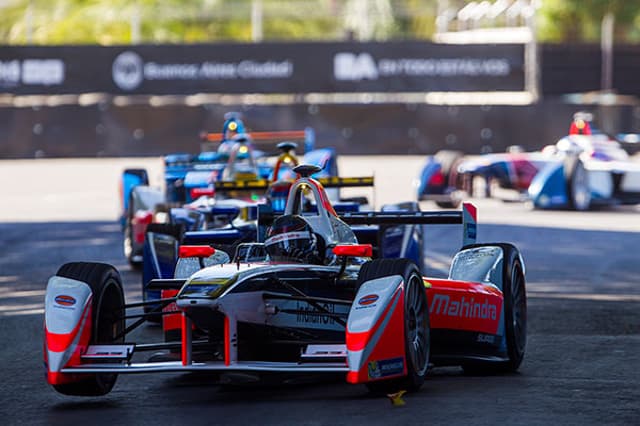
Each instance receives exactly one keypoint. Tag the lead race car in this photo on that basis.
(310, 300)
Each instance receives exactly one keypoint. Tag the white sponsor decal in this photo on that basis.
(45, 72)
(349, 66)
(486, 338)
(314, 315)
(356, 67)
(463, 308)
(129, 70)
(9, 73)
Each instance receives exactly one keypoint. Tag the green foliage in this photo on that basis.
(196, 21)
(580, 20)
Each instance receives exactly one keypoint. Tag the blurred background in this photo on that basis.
(114, 78)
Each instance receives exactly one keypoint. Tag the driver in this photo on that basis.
(231, 128)
(291, 239)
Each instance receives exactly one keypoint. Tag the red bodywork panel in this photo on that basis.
(195, 251)
(524, 171)
(171, 322)
(389, 348)
(139, 223)
(59, 342)
(461, 305)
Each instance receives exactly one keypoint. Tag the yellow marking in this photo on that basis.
(254, 183)
(427, 284)
(396, 398)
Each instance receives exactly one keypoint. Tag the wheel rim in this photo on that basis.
(518, 309)
(580, 189)
(417, 331)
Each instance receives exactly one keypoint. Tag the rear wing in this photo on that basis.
(467, 217)
(267, 138)
(327, 182)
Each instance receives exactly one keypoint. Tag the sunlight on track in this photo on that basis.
(588, 296)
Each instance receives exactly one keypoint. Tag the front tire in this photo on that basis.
(416, 322)
(578, 192)
(107, 320)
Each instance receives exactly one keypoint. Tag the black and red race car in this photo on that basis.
(308, 299)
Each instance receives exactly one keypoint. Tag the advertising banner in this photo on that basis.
(261, 68)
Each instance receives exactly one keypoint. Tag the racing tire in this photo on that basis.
(108, 321)
(174, 229)
(128, 247)
(449, 160)
(448, 204)
(578, 192)
(514, 314)
(417, 336)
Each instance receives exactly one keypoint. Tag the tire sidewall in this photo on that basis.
(573, 166)
(512, 265)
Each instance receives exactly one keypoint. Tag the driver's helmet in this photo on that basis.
(291, 239)
(232, 126)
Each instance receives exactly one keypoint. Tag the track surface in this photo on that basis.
(583, 277)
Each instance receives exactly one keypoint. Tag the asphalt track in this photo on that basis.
(583, 275)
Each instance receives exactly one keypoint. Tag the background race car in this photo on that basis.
(582, 170)
(231, 158)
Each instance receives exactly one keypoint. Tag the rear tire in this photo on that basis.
(128, 247)
(416, 328)
(107, 320)
(173, 229)
(514, 312)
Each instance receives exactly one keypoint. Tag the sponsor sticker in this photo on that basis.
(385, 367)
(485, 338)
(65, 300)
(367, 300)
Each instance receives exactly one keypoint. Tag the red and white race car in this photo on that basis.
(309, 299)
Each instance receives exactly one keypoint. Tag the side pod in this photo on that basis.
(67, 323)
(375, 331)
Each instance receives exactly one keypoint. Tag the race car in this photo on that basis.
(582, 170)
(237, 223)
(188, 179)
(309, 299)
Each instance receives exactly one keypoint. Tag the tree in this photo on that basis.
(580, 20)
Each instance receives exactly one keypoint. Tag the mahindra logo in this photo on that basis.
(463, 308)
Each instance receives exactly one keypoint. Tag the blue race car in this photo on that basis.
(189, 177)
